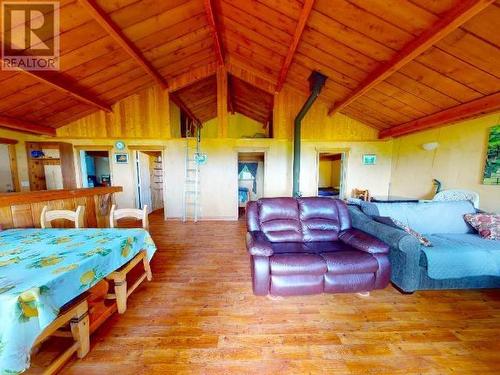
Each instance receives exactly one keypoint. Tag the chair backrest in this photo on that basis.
(133, 213)
(47, 216)
(458, 195)
(361, 194)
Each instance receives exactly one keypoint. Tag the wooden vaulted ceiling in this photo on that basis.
(397, 65)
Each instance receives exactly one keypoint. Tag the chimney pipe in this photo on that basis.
(316, 83)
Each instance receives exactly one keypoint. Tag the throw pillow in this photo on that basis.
(397, 224)
(487, 225)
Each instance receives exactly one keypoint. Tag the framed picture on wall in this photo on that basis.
(369, 159)
(492, 166)
(121, 158)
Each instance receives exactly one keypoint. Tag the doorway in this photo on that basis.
(149, 178)
(9, 181)
(95, 168)
(250, 178)
(331, 174)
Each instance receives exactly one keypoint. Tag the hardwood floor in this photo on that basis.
(199, 316)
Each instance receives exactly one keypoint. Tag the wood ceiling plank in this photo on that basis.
(229, 10)
(57, 83)
(290, 8)
(267, 15)
(185, 55)
(415, 47)
(352, 38)
(394, 103)
(255, 62)
(170, 33)
(481, 106)
(114, 31)
(422, 91)
(403, 13)
(34, 104)
(26, 126)
(374, 114)
(191, 61)
(240, 72)
(297, 35)
(485, 25)
(459, 70)
(185, 41)
(394, 115)
(407, 97)
(191, 77)
(371, 27)
(467, 47)
(218, 51)
(362, 117)
(248, 37)
(331, 47)
(260, 53)
(440, 82)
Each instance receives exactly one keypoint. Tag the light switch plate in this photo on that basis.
(25, 183)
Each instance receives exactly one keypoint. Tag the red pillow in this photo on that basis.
(487, 225)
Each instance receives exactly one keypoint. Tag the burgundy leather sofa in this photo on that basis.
(307, 246)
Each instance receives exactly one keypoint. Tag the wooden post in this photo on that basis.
(222, 115)
(121, 293)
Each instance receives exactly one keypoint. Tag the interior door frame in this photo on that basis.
(163, 150)
(11, 148)
(242, 150)
(343, 168)
(92, 148)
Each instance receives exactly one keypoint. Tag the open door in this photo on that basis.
(250, 178)
(331, 174)
(144, 181)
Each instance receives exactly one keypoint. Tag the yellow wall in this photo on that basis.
(458, 162)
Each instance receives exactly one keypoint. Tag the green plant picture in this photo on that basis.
(492, 167)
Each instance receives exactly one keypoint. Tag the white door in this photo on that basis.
(144, 181)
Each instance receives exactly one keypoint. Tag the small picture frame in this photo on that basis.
(121, 158)
(369, 159)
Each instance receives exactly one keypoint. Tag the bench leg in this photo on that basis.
(121, 295)
(80, 330)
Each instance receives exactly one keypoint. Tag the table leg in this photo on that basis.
(121, 295)
(80, 329)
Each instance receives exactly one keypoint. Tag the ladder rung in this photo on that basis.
(192, 182)
(191, 169)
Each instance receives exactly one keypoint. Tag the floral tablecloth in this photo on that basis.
(43, 269)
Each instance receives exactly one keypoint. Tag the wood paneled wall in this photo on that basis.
(142, 115)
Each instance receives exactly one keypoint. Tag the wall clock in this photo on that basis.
(120, 145)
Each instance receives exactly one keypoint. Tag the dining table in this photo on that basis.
(41, 270)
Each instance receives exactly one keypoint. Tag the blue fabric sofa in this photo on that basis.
(458, 259)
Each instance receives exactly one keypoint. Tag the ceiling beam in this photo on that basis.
(215, 34)
(481, 106)
(26, 126)
(59, 84)
(461, 13)
(117, 34)
(178, 101)
(301, 24)
(230, 94)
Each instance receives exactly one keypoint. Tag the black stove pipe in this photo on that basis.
(316, 82)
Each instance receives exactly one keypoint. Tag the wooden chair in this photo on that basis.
(119, 277)
(133, 213)
(361, 194)
(75, 216)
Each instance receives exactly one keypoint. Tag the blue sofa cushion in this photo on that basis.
(425, 217)
(460, 255)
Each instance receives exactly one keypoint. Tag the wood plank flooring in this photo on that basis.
(199, 316)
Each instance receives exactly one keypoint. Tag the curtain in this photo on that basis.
(252, 169)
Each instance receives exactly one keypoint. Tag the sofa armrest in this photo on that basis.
(258, 244)
(404, 253)
(363, 241)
